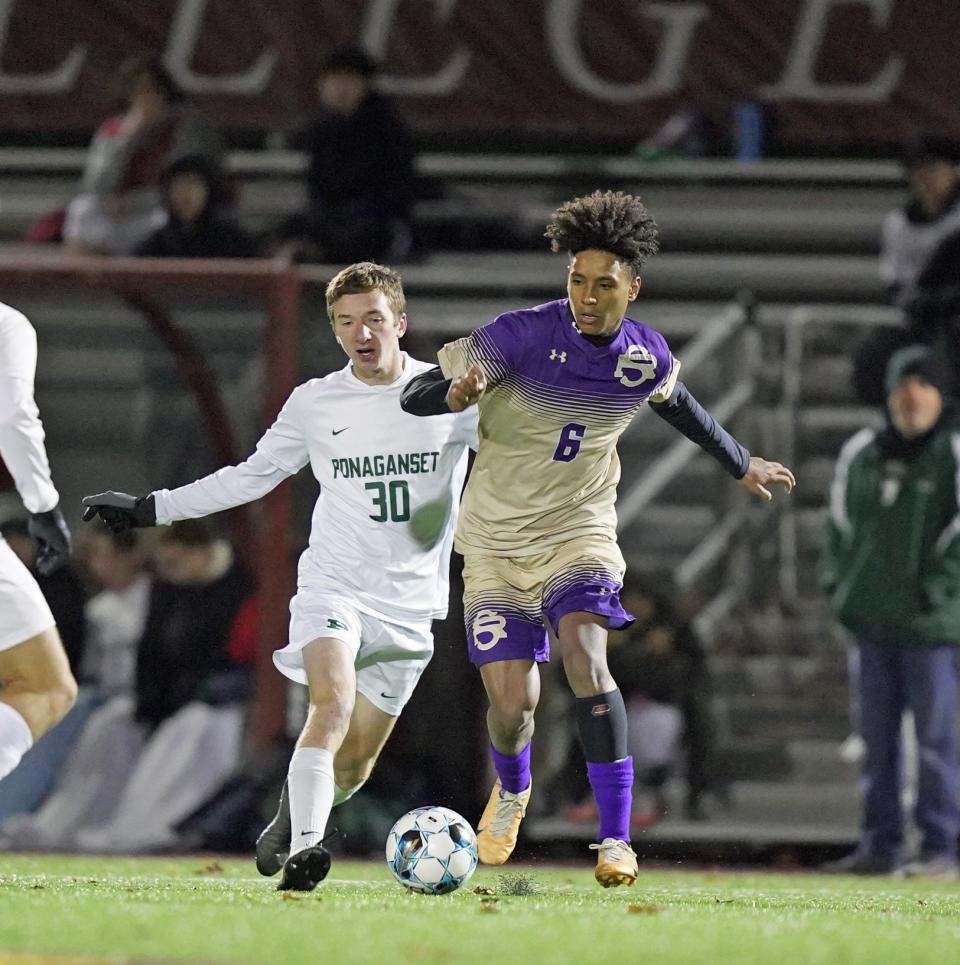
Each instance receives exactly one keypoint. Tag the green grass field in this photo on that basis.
(218, 910)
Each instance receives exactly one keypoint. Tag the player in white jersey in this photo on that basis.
(36, 686)
(375, 573)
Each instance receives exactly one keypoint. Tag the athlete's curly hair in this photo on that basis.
(606, 221)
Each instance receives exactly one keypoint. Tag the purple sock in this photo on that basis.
(612, 785)
(512, 769)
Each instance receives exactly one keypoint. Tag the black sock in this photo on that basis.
(602, 723)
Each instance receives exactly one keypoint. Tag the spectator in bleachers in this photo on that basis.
(115, 618)
(149, 757)
(119, 204)
(360, 179)
(912, 234)
(661, 667)
(920, 257)
(190, 691)
(198, 225)
(116, 615)
(891, 567)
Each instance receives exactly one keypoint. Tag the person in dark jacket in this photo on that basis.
(891, 568)
(183, 653)
(920, 249)
(197, 225)
(360, 178)
(911, 234)
(660, 661)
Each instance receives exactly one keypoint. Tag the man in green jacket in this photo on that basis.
(892, 572)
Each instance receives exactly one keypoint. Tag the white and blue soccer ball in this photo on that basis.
(432, 850)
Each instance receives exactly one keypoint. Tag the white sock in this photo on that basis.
(311, 788)
(15, 738)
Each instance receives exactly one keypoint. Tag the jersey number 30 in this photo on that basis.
(392, 501)
(571, 435)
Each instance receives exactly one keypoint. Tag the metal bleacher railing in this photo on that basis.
(816, 400)
(734, 330)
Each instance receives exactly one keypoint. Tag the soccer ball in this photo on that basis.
(432, 850)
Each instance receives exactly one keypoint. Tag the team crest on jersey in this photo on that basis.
(491, 626)
(636, 366)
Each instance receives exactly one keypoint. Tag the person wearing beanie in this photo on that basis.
(891, 570)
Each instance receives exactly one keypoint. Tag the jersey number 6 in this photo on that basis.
(571, 435)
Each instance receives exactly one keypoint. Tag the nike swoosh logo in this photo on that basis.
(337, 432)
(388, 696)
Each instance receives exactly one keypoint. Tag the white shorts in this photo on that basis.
(23, 610)
(389, 657)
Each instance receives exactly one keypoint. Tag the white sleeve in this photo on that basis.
(467, 427)
(223, 489)
(281, 452)
(21, 431)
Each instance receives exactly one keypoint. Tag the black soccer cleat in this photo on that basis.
(273, 845)
(304, 870)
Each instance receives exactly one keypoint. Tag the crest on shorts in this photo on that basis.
(489, 628)
(636, 366)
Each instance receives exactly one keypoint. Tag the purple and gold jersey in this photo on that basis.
(555, 406)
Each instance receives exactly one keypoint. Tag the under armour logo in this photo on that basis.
(554, 355)
(638, 359)
(488, 623)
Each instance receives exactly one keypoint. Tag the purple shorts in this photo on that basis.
(510, 603)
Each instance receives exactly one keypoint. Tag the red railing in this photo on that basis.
(277, 285)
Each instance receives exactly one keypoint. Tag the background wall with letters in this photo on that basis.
(827, 72)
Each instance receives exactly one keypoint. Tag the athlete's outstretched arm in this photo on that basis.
(684, 413)
(223, 489)
(431, 394)
(281, 452)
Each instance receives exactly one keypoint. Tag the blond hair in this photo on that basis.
(367, 276)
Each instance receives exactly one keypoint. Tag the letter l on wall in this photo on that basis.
(797, 82)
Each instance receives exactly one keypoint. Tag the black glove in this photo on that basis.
(50, 531)
(120, 511)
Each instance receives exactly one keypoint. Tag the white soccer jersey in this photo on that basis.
(21, 431)
(390, 488)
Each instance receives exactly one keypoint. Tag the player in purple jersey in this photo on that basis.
(556, 387)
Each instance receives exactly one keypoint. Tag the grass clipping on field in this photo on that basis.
(517, 884)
